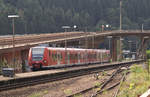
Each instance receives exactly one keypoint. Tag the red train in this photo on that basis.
(43, 57)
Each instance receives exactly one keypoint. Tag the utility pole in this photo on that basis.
(142, 27)
(86, 39)
(120, 28)
(120, 15)
(66, 27)
(13, 38)
(93, 41)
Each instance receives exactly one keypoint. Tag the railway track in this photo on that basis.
(37, 38)
(16, 83)
(106, 86)
(102, 86)
(43, 38)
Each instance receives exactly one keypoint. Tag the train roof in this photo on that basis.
(80, 49)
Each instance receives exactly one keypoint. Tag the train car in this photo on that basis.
(44, 57)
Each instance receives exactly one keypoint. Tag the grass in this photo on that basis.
(136, 84)
(36, 95)
(68, 91)
(79, 95)
(97, 84)
(40, 94)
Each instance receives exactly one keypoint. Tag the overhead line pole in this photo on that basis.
(66, 27)
(120, 15)
(120, 28)
(13, 38)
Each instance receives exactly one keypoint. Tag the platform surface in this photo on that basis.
(45, 72)
(30, 74)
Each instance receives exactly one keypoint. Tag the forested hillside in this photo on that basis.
(45, 16)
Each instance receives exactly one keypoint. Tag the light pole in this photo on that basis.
(86, 39)
(120, 15)
(93, 40)
(13, 38)
(120, 26)
(66, 27)
(142, 27)
(103, 28)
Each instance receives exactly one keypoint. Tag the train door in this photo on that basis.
(54, 57)
(79, 57)
(88, 56)
(58, 58)
(101, 57)
(49, 57)
(97, 54)
(85, 60)
(68, 57)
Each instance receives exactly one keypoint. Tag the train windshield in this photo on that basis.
(37, 54)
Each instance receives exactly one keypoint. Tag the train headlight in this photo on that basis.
(45, 61)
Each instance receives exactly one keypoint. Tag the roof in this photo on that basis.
(79, 49)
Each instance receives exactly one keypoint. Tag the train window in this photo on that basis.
(37, 54)
(49, 53)
(71, 56)
(82, 56)
(100, 55)
(37, 51)
(79, 56)
(94, 55)
(59, 56)
(76, 56)
(68, 56)
(105, 55)
(87, 56)
(91, 56)
(97, 55)
(54, 56)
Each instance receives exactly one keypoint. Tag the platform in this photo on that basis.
(30, 74)
(52, 71)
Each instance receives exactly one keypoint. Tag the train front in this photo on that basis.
(36, 58)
